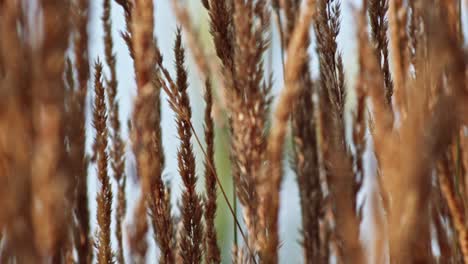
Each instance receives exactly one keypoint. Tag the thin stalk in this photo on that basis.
(233, 212)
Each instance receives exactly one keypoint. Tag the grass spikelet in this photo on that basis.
(305, 156)
(339, 175)
(370, 80)
(212, 249)
(104, 197)
(405, 156)
(190, 244)
(305, 164)
(117, 152)
(222, 29)
(198, 53)
(142, 28)
(206, 64)
(379, 24)
(77, 131)
(127, 6)
(171, 90)
(160, 213)
(159, 198)
(327, 27)
(249, 107)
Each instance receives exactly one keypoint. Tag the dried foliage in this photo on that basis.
(297, 59)
(213, 254)
(305, 156)
(104, 197)
(77, 134)
(117, 152)
(250, 100)
(159, 198)
(142, 27)
(379, 24)
(410, 114)
(190, 244)
(337, 159)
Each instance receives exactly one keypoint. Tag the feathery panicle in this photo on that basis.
(365, 81)
(147, 137)
(49, 177)
(198, 53)
(104, 197)
(336, 157)
(190, 244)
(77, 135)
(222, 29)
(370, 80)
(223, 33)
(248, 107)
(213, 254)
(162, 223)
(159, 198)
(379, 24)
(171, 90)
(327, 27)
(127, 6)
(418, 183)
(142, 30)
(405, 170)
(305, 156)
(206, 65)
(297, 58)
(117, 152)
(305, 164)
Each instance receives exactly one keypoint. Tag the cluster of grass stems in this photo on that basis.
(410, 114)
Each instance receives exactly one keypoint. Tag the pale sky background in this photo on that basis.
(290, 220)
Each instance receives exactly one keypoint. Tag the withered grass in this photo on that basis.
(410, 113)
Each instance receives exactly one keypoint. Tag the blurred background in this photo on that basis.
(166, 24)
